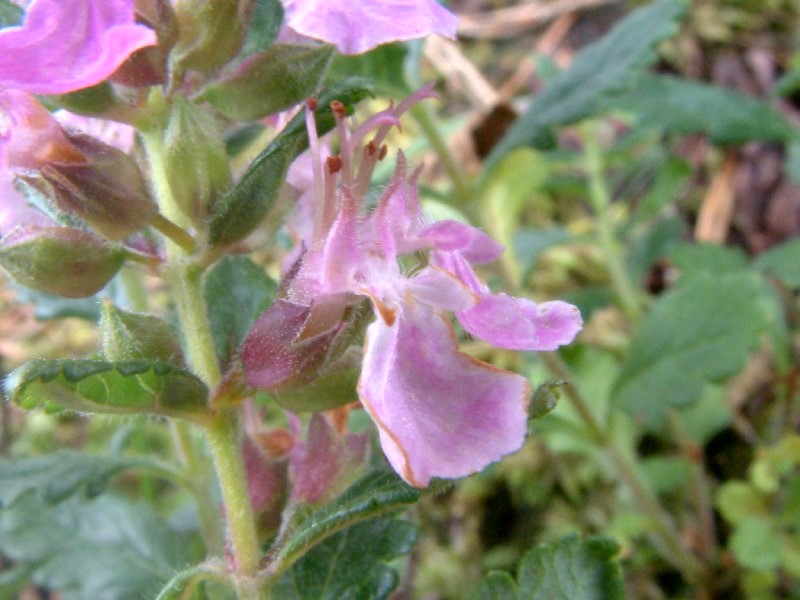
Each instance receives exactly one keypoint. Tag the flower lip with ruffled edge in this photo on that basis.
(439, 412)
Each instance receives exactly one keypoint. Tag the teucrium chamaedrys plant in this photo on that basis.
(363, 307)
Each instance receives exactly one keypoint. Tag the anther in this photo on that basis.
(312, 104)
(384, 151)
(338, 109)
(334, 164)
(371, 148)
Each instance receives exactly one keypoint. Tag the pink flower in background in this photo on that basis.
(67, 45)
(356, 27)
(439, 412)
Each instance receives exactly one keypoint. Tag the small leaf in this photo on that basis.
(545, 398)
(497, 585)
(375, 494)
(683, 106)
(782, 262)
(122, 387)
(754, 544)
(132, 336)
(56, 477)
(242, 209)
(237, 291)
(105, 548)
(268, 82)
(699, 332)
(350, 564)
(598, 71)
(739, 501)
(572, 569)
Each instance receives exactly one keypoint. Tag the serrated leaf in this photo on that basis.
(268, 82)
(782, 262)
(105, 548)
(56, 477)
(599, 70)
(237, 291)
(350, 564)
(119, 388)
(374, 495)
(572, 569)
(242, 209)
(683, 106)
(497, 585)
(699, 332)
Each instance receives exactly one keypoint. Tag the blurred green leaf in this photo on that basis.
(117, 388)
(10, 14)
(384, 66)
(671, 178)
(268, 82)
(755, 542)
(243, 208)
(350, 564)
(711, 259)
(599, 70)
(666, 474)
(13, 581)
(739, 501)
(48, 306)
(376, 494)
(699, 332)
(783, 262)
(237, 291)
(56, 477)
(571, 569)
(265, 23)
(497, 585)
(104, 548)
(683, 106)
(529, 243)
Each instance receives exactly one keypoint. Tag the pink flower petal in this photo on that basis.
(474, 245)
(356, 27)
(440, 289)
(519, 324)
(440, 413)
(67, 45)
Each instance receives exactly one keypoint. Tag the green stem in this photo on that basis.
(601, 204)
(666, 535)
(424, 117)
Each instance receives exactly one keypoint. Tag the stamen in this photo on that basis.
(316, 166)
(334, 164)
(345, 147)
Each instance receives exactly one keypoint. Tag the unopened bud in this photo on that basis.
(200, 45)
(105, 188)
(195, 160)
(60, 260)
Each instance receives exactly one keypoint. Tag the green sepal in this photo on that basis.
(93, 101)
(200, 45)
(268, 82)
(244, 207)
(133, 336)
(118, 388)
(327, 391)
(60, 260)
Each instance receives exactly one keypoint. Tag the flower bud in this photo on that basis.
(148, 66)
(60, 260)
(200, 45)
(103, 187)
(196, 164)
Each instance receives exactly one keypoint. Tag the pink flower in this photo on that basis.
(439, 412)
(67, 45)
(356, 27)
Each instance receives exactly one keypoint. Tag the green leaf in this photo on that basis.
(739, 501)
(134, 336)
(376, 494)
(683, 106)
(265, 23)
(56, 477)
(384, 66)
(243, 208)
(598, 71)
(497, 585)
(755, 542)
(783, 262)
(350, 564)
(268, 82)
(13, 581)
(48, 306)
(571, 569)
(327, 391)
(10, 14)
(709, 259)
(699, 332)
(117, 388)
(104, 548)
(188, 584)
(237, 291)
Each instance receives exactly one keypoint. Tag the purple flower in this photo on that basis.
(67, 45)
(356, 27)
(440, 413)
